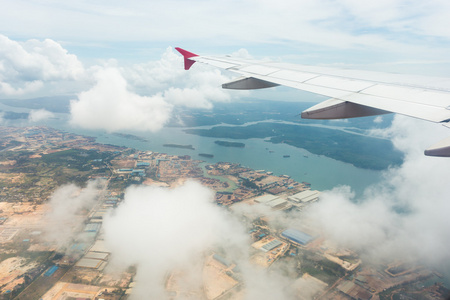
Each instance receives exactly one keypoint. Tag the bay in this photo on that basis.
(321, 172)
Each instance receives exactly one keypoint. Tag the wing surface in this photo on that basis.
(352, 93)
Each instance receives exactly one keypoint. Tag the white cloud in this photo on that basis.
(39, 115)
(378, 120)
(115, 102)
(399, 26)
(26, 66)
(162, 230)
(405, 216)
(64, 220)
(111, 106)
(21, 88)
(198, 87)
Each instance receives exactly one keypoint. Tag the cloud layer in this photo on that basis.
(25, 66)
(110, 105)
(39, 115)
(405, 216)
(64, 219)
(408, 27)
(110, 97)
(161, 230)
(115, 102)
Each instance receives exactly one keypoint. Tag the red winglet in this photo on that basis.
(186, 54)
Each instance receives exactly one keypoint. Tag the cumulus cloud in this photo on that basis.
(115, 102)
(165, 231)
(378, 120)
(162, 230)
(112, 106)
(26, 66)
(200, 87)
(405, 216)
(39, 115)
(64, 220)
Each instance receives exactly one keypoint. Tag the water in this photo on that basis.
(322, 172)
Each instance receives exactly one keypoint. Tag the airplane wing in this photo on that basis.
(352, 93)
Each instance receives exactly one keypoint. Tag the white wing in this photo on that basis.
(352, 93)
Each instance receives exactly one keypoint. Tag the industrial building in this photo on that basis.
(296, 236)
(305, 196)
(271, 245)
(274, 202)
(142, 164)
(278, 204)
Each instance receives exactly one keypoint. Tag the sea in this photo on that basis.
(321, 172)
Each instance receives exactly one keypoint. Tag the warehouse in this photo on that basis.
(271, 245)
(297, 236)
(277, 204)
(305, 196)
(142, 164)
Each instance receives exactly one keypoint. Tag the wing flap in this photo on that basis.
(248, 83)
(338, 109)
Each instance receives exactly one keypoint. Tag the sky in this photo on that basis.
(92, 50)
(117, 60)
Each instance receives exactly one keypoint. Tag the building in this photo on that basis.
(274, 202)
(278, 204)
(271, 245)
(142, 164)
(305, 196)
(296, 236)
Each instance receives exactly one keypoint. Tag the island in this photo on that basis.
(130, 136)
(230, 144)
(206, 155)
(179, 146)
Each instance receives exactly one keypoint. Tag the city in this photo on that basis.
(51, 251)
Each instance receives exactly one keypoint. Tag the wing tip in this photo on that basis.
(186, 55)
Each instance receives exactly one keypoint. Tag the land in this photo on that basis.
(35, 161)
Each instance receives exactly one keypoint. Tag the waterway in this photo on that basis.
(322, 172)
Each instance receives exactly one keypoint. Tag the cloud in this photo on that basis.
(115, 102)
(384, 26)
(110, 105)
(200, 87)
(39, 115)
(165, 231)
(64, 220)
(405, 215)
(378, 120)
(26, 66)
(162, 230)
